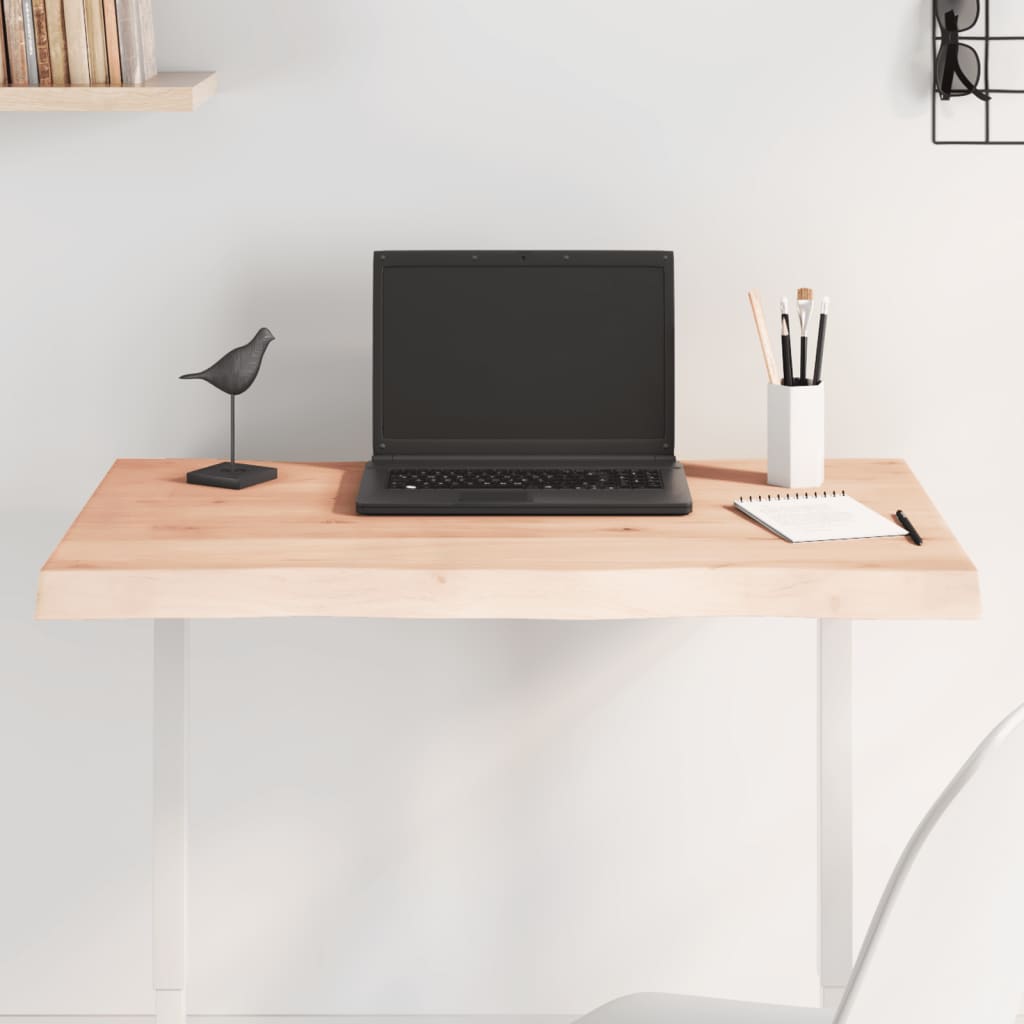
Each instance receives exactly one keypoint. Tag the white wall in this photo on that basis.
(473, 817)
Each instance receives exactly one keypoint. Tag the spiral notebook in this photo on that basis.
(825, 515)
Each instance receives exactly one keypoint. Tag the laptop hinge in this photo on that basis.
(451, 459)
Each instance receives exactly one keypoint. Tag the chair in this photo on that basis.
(946, 944)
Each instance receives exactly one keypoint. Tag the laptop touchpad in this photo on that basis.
(494, 498)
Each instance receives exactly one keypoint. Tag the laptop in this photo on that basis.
(523, 383)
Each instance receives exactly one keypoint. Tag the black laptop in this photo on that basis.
(523, 383)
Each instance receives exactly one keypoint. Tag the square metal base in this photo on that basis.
(234, 477)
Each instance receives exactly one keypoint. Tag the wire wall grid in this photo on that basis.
(998, 40)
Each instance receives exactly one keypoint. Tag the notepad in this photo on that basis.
(800, 518)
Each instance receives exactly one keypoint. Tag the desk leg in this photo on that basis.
(835, 817)
(170, 816)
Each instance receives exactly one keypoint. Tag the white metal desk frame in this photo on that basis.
(170, 814)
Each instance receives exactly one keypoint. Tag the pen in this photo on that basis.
(787, 352)
(909, 527)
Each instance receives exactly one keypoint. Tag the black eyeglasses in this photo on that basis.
(957, 65)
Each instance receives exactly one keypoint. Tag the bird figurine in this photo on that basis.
(234, 373)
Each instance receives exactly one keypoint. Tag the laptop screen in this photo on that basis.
(524, 352)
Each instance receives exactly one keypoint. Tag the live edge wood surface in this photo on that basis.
(148, 545)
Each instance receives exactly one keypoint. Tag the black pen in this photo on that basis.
(909, 527)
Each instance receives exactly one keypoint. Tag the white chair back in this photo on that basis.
(946, 945)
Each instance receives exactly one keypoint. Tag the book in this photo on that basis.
(14, 23)
(129, 42)
(136, 40)
(75, 37)
(28, 20)
(96, 39)
(147, 33)
(42, 42)
(815, 515)
(3, 51)
(113, 46)
(58, 43)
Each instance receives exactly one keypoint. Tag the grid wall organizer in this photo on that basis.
(991, 55)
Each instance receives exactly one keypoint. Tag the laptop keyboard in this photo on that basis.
(525, 479)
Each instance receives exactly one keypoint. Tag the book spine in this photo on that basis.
(78, 49)
(96, 39)
(17, 64)
(3, 51)
(42, 42)
(58, 42)
(129, 42)
(147, 37)
(28, 20)
(113, 45)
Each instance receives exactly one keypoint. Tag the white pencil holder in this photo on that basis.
(796, 435)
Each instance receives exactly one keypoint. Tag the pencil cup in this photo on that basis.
(796, 435)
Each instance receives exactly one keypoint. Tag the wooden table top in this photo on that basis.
(148, 545)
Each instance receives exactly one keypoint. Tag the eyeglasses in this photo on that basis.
(957, 65)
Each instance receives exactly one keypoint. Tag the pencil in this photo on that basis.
(762, 336)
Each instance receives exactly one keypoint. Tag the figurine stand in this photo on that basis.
(233, 475)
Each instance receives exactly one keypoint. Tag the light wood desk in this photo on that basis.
(147, 545)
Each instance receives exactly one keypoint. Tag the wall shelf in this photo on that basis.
(167, 91)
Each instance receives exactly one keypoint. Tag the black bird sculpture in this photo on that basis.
(233, 374)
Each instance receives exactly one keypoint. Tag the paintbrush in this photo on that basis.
(820, 354)
(787, 351)
(804, 302)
